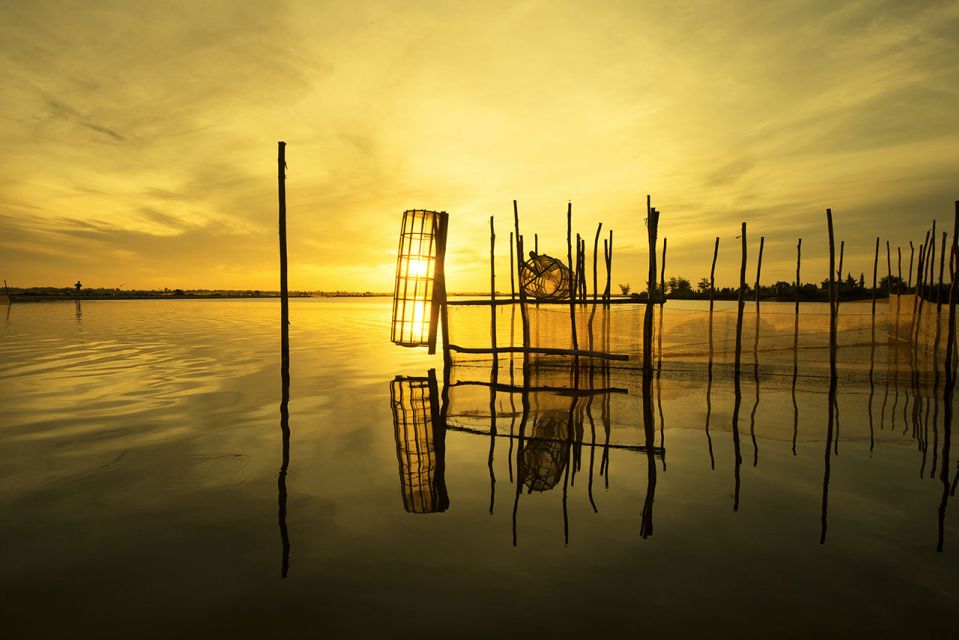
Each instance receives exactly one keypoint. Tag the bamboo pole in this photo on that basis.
(875, 274)
(740, 304)
(572, 273)
(798, 264)
(712, 276)
(832, 302)
(492, 280)
(536, 243)
(759, 268)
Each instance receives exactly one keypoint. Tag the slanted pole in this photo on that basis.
(662, 275)
(875, 274)
(712, 275)
(759, 268)
(909, 273)
(519, 279)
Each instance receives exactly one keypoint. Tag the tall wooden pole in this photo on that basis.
(662, 275)
(759, 268)
(909, 272)
(522, 290)
(798, 263)
(284, 365)
(573, 283)
(512, 271)
(950, 377)
(942, 265)
(492, 283)
(899, 284)
(652, 228)
(832, 297)
(712, 275)
(875, 274)
(888, 271)
(740, 304)
(284, 293)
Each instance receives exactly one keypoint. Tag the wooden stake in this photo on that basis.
(798, 283)
(899, 284)
(712, 276)
(512, 271)
(652, 228)
(839, 279)
(492, 280)
(875, 274)
(942, 265)
(662, 275)
(572, 273)
(889, 272)
(832, 297)
(759, 268)
(284, 292)
(909, 273)
(519, 280)
(741, 305)
(592, 313)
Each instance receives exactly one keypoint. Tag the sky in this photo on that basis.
(139, 138)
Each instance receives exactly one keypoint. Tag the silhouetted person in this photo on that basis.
(78, 285)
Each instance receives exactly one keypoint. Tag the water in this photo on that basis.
(141, 493)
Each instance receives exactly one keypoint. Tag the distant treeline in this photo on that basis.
(851, 288)
(49, 294)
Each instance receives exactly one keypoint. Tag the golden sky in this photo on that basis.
(139, 138)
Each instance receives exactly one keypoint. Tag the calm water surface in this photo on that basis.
(141, 495)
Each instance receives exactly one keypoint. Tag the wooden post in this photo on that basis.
(606, 261)
(942, 265)
(889, 272)
(519, 281)
(875, 274)
(741, 301)
(899, 284)
(592, 313)
(536, 243)
(284, 365)
(909, 273)
(950, 377)
(798, 264)
(759, 268)
(832, 298)
(512, 271)
(572, 273)
(839, 279)
(609, 270)
(492, 283)
(652, 228)
(284, 293)
(712, 277)
(662, 275)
